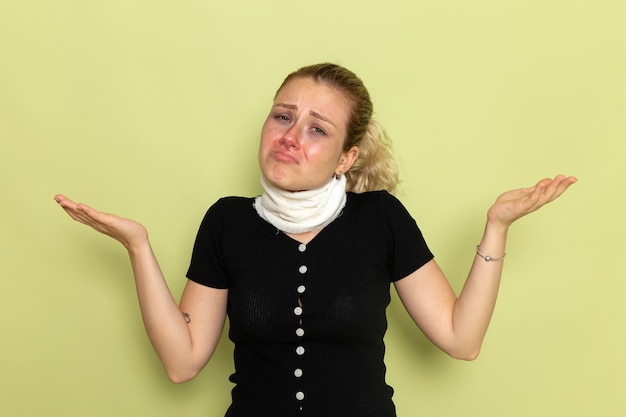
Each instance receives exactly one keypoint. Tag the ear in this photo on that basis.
(347, 160)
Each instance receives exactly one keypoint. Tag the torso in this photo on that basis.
(339, 276)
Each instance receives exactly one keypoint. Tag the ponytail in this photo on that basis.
(375, 168)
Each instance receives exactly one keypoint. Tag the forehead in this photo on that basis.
(312, 95)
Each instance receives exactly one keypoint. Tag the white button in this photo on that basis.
(299, 395)
(302, 247)
(297, 311)
(300, 332)
(298, 373)
(302, 269)
(300, 350)
(301, 289)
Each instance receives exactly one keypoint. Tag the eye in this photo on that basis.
(319, 131)
(282, 118)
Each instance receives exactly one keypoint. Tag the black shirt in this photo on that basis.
(308, 320)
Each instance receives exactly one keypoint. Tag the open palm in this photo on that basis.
(514, 204)
(126, 231)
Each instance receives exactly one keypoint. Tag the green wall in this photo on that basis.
(152, 109)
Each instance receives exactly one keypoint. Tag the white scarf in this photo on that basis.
(301, 211)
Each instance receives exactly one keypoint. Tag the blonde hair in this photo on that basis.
(375, 168)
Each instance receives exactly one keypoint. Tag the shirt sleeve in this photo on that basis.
(409, 249)
(207, 265)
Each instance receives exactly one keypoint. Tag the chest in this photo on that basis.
(338, 285)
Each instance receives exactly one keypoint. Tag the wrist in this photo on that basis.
(489, 258)
(138, 245)
(496, 222)
(497, 227)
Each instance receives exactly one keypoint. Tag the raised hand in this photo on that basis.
(128, 232)
(514, 204)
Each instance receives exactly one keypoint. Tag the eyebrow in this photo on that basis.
(312, 113)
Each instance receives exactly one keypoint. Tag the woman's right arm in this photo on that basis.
(184, 337)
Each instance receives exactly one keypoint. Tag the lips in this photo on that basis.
(281, 155)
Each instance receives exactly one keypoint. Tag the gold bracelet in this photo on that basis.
(488, 258)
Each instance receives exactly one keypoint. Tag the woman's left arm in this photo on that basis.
(458, 325)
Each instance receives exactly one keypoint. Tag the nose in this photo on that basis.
(291, 137)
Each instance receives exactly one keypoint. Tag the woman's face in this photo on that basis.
(303, 136)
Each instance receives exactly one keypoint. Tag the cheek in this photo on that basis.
(323, 153)
(272, 130)
(266, 135)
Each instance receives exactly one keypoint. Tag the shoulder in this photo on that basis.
(226, 208)
(379, 207)
(375, 200)
(376, 209)
(383, 220)
(231, 205)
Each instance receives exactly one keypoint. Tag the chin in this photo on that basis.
(277, 180)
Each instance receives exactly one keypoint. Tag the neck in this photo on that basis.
(301, 212)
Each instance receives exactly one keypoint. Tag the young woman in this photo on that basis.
(304, 270)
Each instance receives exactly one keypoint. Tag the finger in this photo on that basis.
(533, 193)
(540, 188)
(564, 184)
(536, 196)
(558, 187)
(544, 184)
(548, 188)
(72, 207)
(63, 200)
(78, 211)
(551, 189)
(92, 217)
(516, 194)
